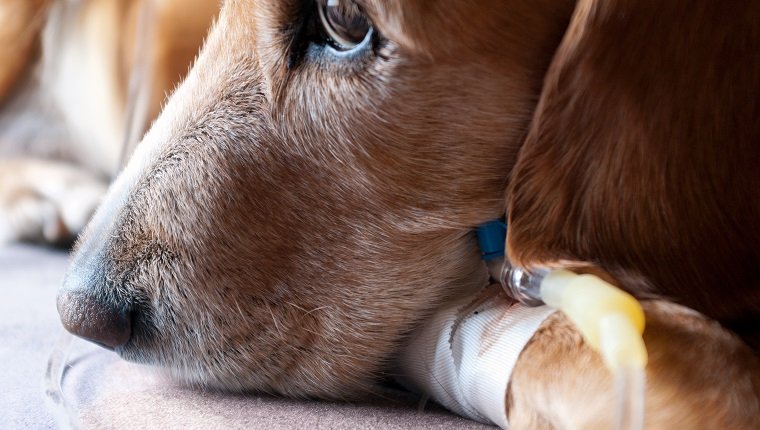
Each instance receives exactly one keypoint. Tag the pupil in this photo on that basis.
(346, 20)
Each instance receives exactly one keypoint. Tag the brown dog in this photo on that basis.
(307, 196)
(65, 71)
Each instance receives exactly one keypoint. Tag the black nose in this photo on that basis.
(90, 304)
(86, 315)
(89, 318)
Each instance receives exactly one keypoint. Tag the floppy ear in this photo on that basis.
(643, 156)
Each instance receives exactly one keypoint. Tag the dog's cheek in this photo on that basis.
(326, 336)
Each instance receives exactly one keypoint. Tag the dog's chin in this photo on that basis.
(180, 366)
(236, 377)
(187, 363)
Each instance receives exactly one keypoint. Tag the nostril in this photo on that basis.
(88, 317)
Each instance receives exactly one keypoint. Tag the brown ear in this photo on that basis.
(644, 153)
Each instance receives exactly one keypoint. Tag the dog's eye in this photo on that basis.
(345, 25)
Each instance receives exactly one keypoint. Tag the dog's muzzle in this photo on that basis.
(86, 314)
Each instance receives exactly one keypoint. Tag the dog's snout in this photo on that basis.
(88, 316)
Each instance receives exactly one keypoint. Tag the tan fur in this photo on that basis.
(46, 200)
(68, 104)
(178, 31)
(698, 377)
(320, 235)
(294, 213)
(20, 21)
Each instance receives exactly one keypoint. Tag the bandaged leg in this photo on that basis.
(464, 355)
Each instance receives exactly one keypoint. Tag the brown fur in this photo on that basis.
(293, 269)
(293, 214)
(643, 155)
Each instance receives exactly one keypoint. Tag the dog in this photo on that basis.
(307, 197)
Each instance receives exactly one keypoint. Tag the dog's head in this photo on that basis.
(309, 192)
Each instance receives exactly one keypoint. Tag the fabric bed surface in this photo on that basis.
(29, 329)
(105, 392)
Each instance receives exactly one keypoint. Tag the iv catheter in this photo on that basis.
(610, 320)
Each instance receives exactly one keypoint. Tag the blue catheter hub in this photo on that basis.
(491, 238)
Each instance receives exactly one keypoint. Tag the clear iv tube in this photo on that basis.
(63, 413)
(520, 284)
(630, 385)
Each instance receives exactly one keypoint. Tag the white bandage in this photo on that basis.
(469, 373)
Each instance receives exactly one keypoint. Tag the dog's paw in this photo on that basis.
(45, 201)
(699, 376)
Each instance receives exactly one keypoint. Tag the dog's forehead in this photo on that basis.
(429, 25)
(422, 26)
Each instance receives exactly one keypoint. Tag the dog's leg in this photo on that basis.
(699, 377)
(20, 24)
(642, 156)
(45, 201)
